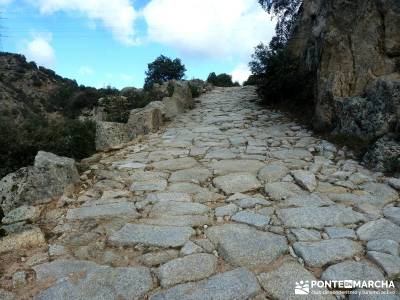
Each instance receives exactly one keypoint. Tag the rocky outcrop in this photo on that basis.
(50, 177)
(109, 134)
(354, 49)
(148, 119)
(144, 121)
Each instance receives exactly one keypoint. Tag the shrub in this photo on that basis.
(221, 80)
(281, 77)
(171, 89)
(252, 80)
(195, 90)
(20, 143)
(392, 165)
(162, 70)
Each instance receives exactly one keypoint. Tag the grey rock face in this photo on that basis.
(189, 268)
(236, 284)
(149, 235)
(244, 246)
(51, 176)
(318, 254)
(319, 217)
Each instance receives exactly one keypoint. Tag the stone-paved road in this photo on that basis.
(229, 201)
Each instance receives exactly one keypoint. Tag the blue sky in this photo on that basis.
(103, 42)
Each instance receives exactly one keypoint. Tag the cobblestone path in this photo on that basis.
(229, 201)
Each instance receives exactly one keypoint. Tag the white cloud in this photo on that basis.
(222, 28)
(5, 2)
(85, 71)
(126, 77)
(118, 16)
(40, 51)
(241, 73)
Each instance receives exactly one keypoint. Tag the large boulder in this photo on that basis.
(110, 134)
(144, 121)
(50, 177)
(373, 115)
(180, 101)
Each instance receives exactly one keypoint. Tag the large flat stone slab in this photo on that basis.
(312, 200)
(102, 283)
(149, 185)
(352, 270)
(233, 285)
(150, 235)
(224, 167)
(244, 246)
(382, 229)
(175, 164)
(62, 268)
(305, 179)
(178, 208)
(237, 183)
(168, 196)
(292, 154)
(318, 254)
(273, 172)
(279, 283)
(389, 263)
(189, 268)
(182, 221)
(252, 219)
(278, 191)
(319, 217)
(196, 175)
(112, 210)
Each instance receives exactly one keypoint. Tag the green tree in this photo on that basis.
(221, 80)
(286, 12)
(164, 69)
